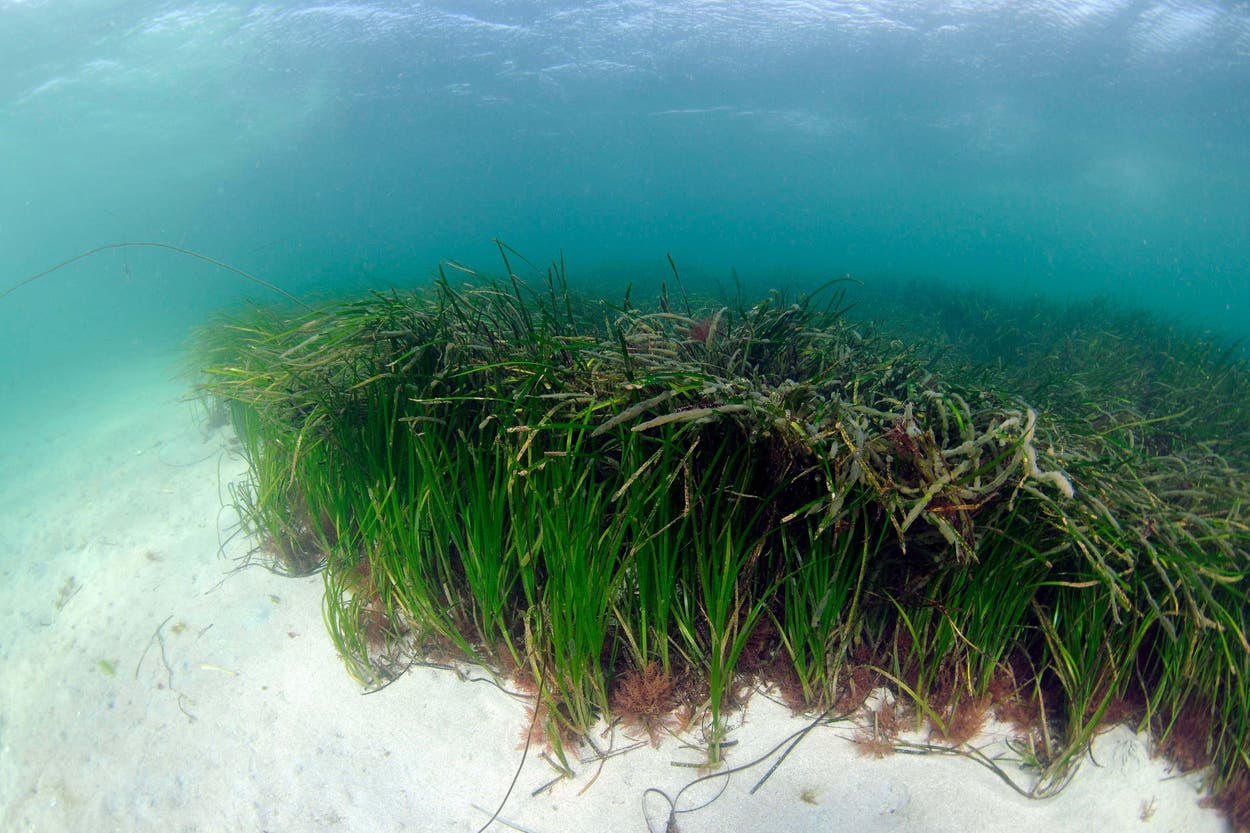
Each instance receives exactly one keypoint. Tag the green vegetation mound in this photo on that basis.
(637, 513)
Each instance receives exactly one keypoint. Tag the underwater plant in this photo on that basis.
(640, 513)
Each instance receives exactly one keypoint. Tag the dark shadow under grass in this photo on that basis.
(636, 513)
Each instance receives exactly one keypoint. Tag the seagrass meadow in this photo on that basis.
(642, 511)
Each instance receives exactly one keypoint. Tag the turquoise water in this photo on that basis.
(1099, 147)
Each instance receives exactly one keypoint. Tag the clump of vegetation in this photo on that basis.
(634, 510)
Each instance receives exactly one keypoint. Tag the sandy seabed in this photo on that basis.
(146, 685)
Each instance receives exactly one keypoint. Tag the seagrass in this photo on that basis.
(584, 495)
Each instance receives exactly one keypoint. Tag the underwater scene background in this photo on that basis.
(918, 396)
(1067, 148)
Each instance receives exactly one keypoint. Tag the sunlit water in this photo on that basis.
(1087, 148)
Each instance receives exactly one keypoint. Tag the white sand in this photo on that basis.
(244, 719)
